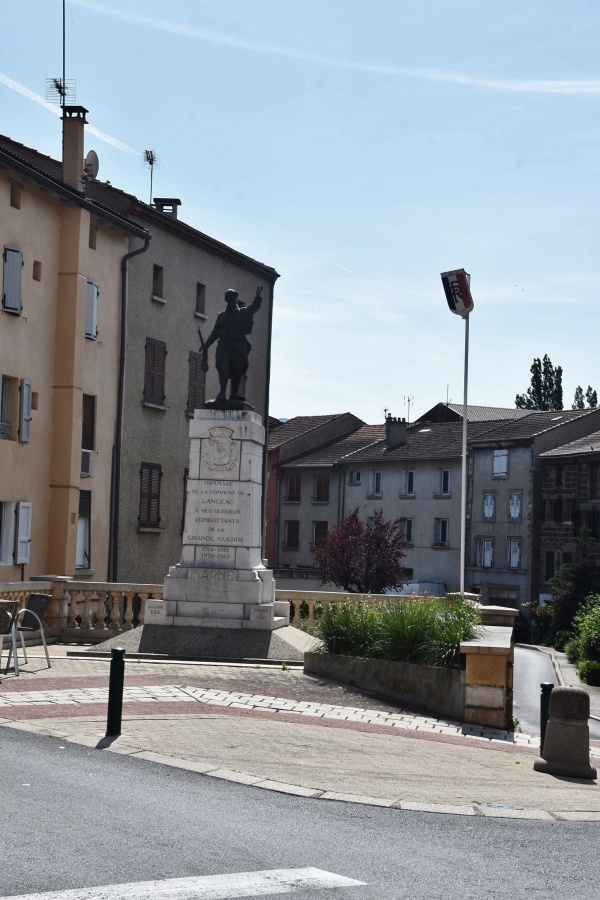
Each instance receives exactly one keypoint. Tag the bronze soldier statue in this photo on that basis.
(230, 331)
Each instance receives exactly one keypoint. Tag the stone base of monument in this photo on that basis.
(221, 581)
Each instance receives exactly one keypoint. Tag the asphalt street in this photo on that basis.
(105, 819)
(532, 667)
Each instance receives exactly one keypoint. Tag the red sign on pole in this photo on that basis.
(458, 292)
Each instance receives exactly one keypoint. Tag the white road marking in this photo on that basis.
(206, 887)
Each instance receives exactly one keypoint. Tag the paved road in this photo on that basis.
(75, 818)
(532, 667)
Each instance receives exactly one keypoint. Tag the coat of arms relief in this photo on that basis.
(223, 451)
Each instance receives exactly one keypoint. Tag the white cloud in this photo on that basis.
(589, 86)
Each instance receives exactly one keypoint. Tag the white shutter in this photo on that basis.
(403, 482)
(438, 481)
(23, 533)
(25, 411)
(488, 506)
(371, 487)
(91, 310)
(515, 506)
(488, 553)
(11, 296)
(515, 554)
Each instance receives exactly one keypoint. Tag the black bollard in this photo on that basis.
(546, 689)
(115, 692)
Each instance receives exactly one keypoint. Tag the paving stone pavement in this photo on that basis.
(316, 738)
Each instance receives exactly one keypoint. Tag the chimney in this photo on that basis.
(167, 205)
(395, 432)
(74, 122)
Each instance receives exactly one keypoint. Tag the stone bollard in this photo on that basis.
(566, 749)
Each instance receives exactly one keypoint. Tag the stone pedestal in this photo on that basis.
(566, 750)
(221, 581)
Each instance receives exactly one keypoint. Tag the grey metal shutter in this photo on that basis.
(25, 411)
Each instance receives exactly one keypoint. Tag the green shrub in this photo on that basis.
(589, 672)
(425, 630)
(589, 635)
(561, 639)
(572, 650)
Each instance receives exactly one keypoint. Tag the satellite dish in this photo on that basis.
(91, 166)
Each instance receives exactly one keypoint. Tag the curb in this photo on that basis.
(486, 810)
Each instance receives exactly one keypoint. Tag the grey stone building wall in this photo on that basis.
(160, 435)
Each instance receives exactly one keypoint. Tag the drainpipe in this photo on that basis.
(113, 549)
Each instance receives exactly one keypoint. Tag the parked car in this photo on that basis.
(419, 589)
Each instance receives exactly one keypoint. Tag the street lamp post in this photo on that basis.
(458, 294)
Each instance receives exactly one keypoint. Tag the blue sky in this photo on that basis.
(360, 149)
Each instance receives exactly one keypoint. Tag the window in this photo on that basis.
(485, 553)
(549, 565)
(150, 477)
(15, 195)
(292, 534)
(440, 532)
(567, 515)
(558, 510)
(406, 530)
(321, 488)
(11, 291)
(92, 236)
(154, 372)
(37, 270)
(514, 553)
(374, 484)
(500, 468)
(91, 311)
(200, 299)
(489, 506)
(319, 530)
(88, 434)
(5, 423)
(196, 382)
(594, 482)
(514, 505)
(82, 552)
(407, 483)
(157, 282)
(7, 533)
(559, 476)
(354, 478)
(294, 488)
(442, 482)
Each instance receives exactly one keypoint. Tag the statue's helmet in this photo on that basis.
(231, 295)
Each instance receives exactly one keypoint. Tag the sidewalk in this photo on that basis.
(282, 730)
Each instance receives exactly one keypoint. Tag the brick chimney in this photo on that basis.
(74, 122)
(167, 205)
(395, 432)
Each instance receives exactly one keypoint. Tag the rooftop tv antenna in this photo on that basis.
(59, 90)
(150, 159)
(408, 401)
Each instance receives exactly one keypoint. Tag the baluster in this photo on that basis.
(128, 617)
(115, 612)
(86, 618)
(72, 616)
(311, 614)
(297, 623)
(101, 612)
(142, 613)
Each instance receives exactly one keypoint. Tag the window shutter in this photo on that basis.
(23, 533)
(11, 296)
(515, 554)
(91, 310)
(403, 482)
(488, 553)
(25, 411)
(196, 382)
(154, 371)
(515, 506)
(488, 506)
(438, 481)
(150, 475)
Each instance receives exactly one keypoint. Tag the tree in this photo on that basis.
(590, 395)
(545, 391)
(362, 557)
(575, 581)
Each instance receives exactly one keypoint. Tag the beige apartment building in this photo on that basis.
(59, 343)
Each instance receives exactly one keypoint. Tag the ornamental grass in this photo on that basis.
(424, 630)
